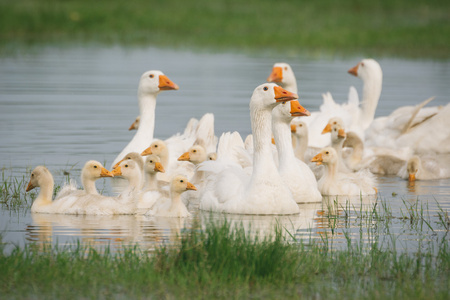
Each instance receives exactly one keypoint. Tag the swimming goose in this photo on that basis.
(150, 85)
(230, 189)
(334, 182)
(296, 175)
(173, 207)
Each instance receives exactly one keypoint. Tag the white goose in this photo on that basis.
(150, 85)
(229, 189)
(334, 182)
(173, 207)
(294, 172)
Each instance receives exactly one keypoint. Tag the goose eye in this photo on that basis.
(265, 88)
(334, 123)
(300, 125)
(95, 167)
(151, 161)
(362, 64)
(126, 166)
(156, 146)
(285, 68)
(151, 75)
(194, 151)
(32, 175)
(326, 152)
(181, 180)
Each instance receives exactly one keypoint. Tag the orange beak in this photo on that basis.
(105, 173)
(132, 127)
(412, 177)
(118, 163)
(341, 133)
(190, 186)
(30, 186)
(317, 159)
(147, 151)
(184, 157)
(327, 129)
(281, 95)
(293, 128)
(166, 84)
(159, 167)
(117, 171)
(297, 110)
(354, 70)
(276, 75)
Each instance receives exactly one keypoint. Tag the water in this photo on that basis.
(62, 107)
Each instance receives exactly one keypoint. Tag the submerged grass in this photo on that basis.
(396, 28)
(223, 262)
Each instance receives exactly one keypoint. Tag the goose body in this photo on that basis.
(428, 167)
(230, 189)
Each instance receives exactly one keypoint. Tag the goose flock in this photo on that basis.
(292, 156)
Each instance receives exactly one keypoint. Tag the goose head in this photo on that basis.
(130, 170)
(285, 112)
(269, 95)
(283, 75)
(135, 124)
(154, 81)
(196, 154)
(157, 147)
(299, 128)
(211, 156)
(180, 184)
(39, 177)
(131, 156)
(412, 167)
(94, 170)
(336, 127)
(153, 164)
(326, 156)
(367, 69)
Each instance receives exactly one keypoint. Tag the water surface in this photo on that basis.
(62, 107)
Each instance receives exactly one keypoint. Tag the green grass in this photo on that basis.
(222, 262)
(386, 27)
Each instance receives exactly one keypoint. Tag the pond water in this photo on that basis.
(62, 107)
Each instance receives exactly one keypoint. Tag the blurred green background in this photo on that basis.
(398, 28)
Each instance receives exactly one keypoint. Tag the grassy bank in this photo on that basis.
(224, 263)
(395, 28)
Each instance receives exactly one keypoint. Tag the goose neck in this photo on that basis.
(371, 95)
